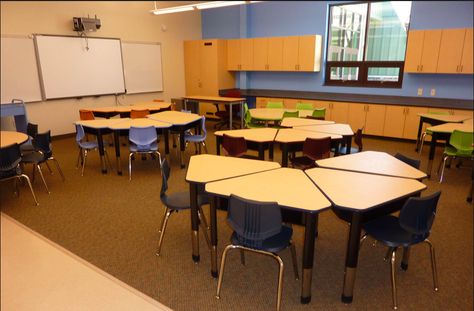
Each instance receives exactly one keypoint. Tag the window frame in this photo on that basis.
(364, 65)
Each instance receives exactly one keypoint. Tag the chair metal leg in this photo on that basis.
(362, 240)
(221, 270)
(205, 147)
(406, 256)
(162, 230)
(130, 166)
(442, 171)
(433, 265)
(294, 259)
(79, 158)
(389, 253)
(84, 162)
(280, 281)
(422, 140)
(58, 167)
(42, 177)
(205, 227)
(49, 168)
(394, 285)
(31, 187)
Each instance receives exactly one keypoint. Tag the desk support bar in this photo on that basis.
(194, 221)
(213, 213)
(352, 257)
(308, 256)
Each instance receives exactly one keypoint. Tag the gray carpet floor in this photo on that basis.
(113, 223)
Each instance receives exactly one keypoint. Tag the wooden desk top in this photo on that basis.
(372, 162)
(137, 106)
(141, 122)
(296, 135)
(206, 167)
(99, 123)
(286, 186)
(445, 117)
(450, 127)
(359, 191)
(259, 135)
(175, 117)
(8, 138)
(215, 99)
(337, 128)
(293, 122)
(275, 114)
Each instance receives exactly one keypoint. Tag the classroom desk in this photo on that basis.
(124, 111)
(8, 138)
(338, 128)
(294, 122)
(206, 168)
(181, 122)
(372, 162)
(219, 100)
(358, 198)
(443, 132)
(99, 127)
(436, 119)
(292, 140)
(123, 128)
(274, 114)
(257, 139)
(291, 189)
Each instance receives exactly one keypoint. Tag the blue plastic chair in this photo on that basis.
(84, 147)
(258, 228)
(176, 202)
(198, 139)
(410, 228)
(143, 140)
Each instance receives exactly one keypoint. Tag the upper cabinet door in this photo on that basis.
(414, 50)
(429, 59)
(260, 54)
(275, 53)
(233, 54)
(290, 53)
(309, 48)
(467, 55)
(246, 54)
(450, 50)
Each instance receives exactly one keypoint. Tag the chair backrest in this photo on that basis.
(291, 114)
(42, 142)
(462, 141)
(358, 138)
(304, 106)
(143, 137)
(247, 116)
(412, 162)
(32, 129)
(319, 113)
(85, 114)
(234, 146)
(10, 157)
(136, 114)
(274, 105)
(79, 133)
(317, 148)
(165, 175)
(253, 221)
(417, 214)
(203, 126)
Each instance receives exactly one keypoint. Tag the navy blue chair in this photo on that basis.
(258, 228)
(412, 162)
(31, 131)
(178, 201)
(410, 228)
(10, 158)
(198, 139)
(142, 140)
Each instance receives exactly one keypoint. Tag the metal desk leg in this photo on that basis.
(185, 101)
(308, 257)
(418, 136)
(270, 151)
(167, 141)
(230, 116)
(193, 192)
(117, 152)
(261, 151)
(182, 146)
(284, 155)
(352, 255)
(242, 114)
(100, 142)
(431, 156)
(218, 144)
(213, 213)
(348, 144)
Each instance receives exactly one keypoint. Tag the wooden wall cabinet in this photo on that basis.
(267, 54)
(402, 121)
(302, 53)
(240, 54)
(369, 116)
(422, 51)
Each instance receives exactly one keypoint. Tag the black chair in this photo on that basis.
(410, 228)
(412, 162)
(313, 149)
(178, 201)
(10, 158)
(42, 154)
(31, 131)
(258, 228)
(357, 141)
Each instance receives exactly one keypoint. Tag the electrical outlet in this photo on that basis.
(420, 91)
(433, 92)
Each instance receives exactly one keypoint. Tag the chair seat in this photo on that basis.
(387, 230)
(194, 138)
(274, 244)
(181, 200)
(143, 148)
(33, 157)
(88, 144)
(303, 162)
(4, 174)
(453, 152)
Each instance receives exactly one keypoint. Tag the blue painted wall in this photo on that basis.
(285, 18)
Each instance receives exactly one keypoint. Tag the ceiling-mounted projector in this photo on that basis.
(86, 23)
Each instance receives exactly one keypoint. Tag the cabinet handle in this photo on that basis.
(408, 110)
(368, 108)
(457, 68)
(460, 70)
(417, 67)
(421, 68)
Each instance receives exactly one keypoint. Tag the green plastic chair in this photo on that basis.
(274, 104)
(249, 122)
(460, 146)
(319, 113)
(304, 106)
(428, 132)
(291, 114)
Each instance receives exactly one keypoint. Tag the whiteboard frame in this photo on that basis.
(40, 69)
(161, 61)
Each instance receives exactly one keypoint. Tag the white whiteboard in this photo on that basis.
(142, 67)
(79, 66)
(19, 73)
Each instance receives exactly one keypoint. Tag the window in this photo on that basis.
(367, 43)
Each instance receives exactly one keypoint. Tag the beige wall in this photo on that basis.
(128, 20)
